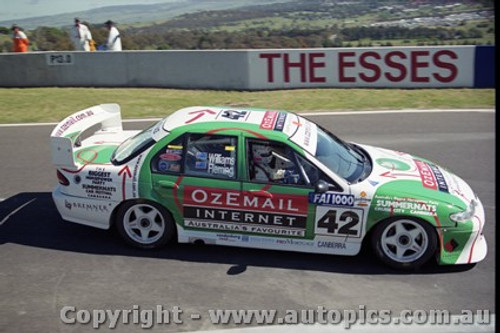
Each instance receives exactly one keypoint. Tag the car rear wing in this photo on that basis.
(66, 134)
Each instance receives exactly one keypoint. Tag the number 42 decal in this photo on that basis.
(339, 221)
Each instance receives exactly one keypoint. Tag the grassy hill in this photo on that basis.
(136, 13)
(230, 24)
(324, 23)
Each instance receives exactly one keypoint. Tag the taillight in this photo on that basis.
(62, 179)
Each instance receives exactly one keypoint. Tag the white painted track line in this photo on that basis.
(15, 211)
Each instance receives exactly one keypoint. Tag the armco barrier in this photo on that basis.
(383, 67)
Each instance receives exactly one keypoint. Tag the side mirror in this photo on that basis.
(321, 186)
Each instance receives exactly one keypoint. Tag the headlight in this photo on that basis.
(466, 215)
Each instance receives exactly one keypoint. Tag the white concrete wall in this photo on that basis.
(404, 67)
(173, 69)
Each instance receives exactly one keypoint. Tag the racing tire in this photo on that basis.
(404, 243)
(145, 224)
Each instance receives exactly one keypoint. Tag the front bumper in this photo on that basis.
(465, 245)
(91, 212)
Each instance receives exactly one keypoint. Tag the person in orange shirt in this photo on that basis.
(19, 39)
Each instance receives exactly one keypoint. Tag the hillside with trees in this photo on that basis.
(300, 24)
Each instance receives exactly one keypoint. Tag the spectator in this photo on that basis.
(19, 39)
(81, 36)
(114, 40)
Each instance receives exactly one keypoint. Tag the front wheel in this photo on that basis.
(145, 225)
(404, 243)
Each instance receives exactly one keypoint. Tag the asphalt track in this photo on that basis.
(46, 264)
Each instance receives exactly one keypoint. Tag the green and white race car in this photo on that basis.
(260, 179)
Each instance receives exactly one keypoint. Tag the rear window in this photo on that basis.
(133, 146)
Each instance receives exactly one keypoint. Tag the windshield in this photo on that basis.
(339, 157)
(133, 146)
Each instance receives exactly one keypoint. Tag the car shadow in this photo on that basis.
(32, 219)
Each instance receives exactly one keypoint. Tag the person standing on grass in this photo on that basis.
(81, 36)
(19, 39)
(114, 40)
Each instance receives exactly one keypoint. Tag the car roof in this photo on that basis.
(205, 114)
(298, 129)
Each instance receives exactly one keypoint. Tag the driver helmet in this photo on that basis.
(262, 154)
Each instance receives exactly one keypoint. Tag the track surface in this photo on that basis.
(46, 263)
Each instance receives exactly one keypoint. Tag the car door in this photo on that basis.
(199, 173)
(276, 191)
(297, 202)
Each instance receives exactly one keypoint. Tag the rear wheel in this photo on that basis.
(145, 224)
(404, 243)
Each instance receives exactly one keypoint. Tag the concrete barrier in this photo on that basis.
(172, 69)
(384, 67)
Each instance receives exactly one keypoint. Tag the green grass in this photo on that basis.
(53, 104)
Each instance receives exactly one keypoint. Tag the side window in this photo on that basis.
(212, 156)
(312, 174)
(170, 159)
(273, 162)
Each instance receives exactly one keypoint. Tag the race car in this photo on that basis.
(264, 179)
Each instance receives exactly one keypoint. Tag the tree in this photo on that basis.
(474, 33)
(51, 39)
(6, 46)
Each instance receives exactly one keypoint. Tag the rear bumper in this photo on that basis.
(90, 212)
